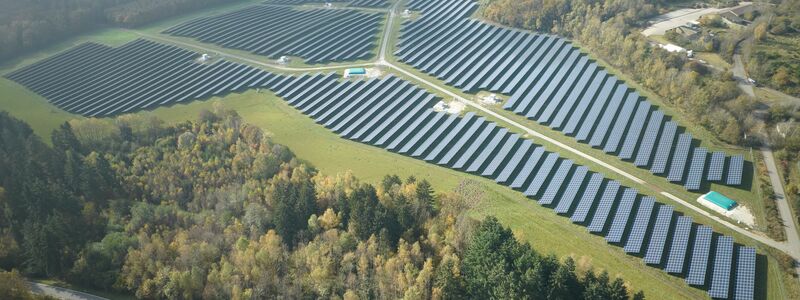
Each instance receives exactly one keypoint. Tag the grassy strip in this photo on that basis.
(774, 225)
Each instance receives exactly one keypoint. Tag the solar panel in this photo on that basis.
(515, 161)
(658, 238)
(587, 199)
(735, 166)
(721, 272)
(716, 166)
(590, 122)
(528, 165)
(421, 139)
(509, 145)
(388, 121)
(555, 185)
(572, 97)
(635, 130)
(558, 94)
(744, 289)
(679, 157)
(513, 44)
(696, 168)
(461, 128)
(680, 241)
(574, 186)
(586, 100)
(480, 141)
(608, 115)
(664, 148)
(649, 139)
(600, 217)
(434, 137)
(541, 176)
(551, 97)
(350, 35)
(699, 262)
(467, 138)
(622, 216)
(622, 122)
(639, 228)
(97, 81)
(493, 146)
(396, 127)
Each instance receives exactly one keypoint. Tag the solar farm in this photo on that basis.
(553, 83)
(544, 77)
(316, 35)
(97, 81)
(396, 115)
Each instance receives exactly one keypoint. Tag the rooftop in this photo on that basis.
(720, 200)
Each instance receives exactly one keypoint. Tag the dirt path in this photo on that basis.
(61, 293)
(740, 75)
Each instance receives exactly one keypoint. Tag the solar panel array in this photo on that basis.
(396, 115)
(549, 81)
(96, 80)
(744, 287)
(735, 166)
(696, 168)
(369, 3)
(699, 263)
(721, 273)
(680, 240)
(316, 35)
(297, 2)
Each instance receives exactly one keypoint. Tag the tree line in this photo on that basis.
(606, 28)
(214, 209)
(29, 25)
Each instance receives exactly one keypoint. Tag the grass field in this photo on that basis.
(331, 155)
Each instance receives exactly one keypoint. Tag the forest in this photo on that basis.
(772, 52)
(605, 28)
(30, 25)
(214, 209)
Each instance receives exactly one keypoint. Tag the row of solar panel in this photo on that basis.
(355, 3)
(369, 3)
(552, 82)
(316, 35)
(97, 80)
(393, 114)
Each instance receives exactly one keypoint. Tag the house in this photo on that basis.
(686, 31)
(732, 20)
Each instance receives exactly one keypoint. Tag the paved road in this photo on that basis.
(61, 293)
(676, 18)
(740, 75)
(792, 236)
(383, 62)
(680, 17)
(170, 40)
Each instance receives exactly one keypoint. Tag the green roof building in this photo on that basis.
(355, 72)
(720, 200)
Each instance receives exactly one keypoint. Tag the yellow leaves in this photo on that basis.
(350, 295)
(329, 220)
(760, 31)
